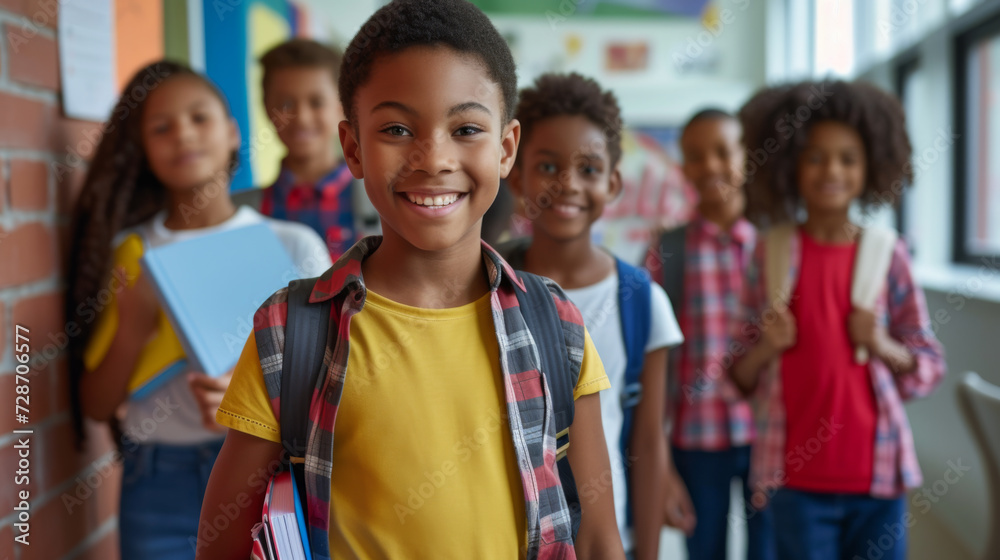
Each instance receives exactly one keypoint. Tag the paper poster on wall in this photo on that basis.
(87, 58)
(626, 56)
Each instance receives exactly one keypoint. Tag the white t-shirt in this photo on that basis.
(599, 305)
(170, 413)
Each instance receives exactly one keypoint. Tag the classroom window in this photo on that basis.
(833, 21)
(978, 164)
(910, 82)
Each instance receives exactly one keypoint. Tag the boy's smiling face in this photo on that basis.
(565, 176)
(431, 143)
(302, 104)
(713, 159)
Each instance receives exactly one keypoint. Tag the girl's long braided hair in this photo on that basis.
(120, 191)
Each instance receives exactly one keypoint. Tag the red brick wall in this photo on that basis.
(73, 495)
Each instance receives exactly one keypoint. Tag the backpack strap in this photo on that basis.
(635, 306)
(542, 319)
(778, 265)
(673, 249)
(871, 268)
(306, 330)
(672, 260)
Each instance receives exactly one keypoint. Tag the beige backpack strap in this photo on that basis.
(871, 267)
(777, 265)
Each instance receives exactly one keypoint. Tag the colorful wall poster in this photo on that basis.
(235, 35)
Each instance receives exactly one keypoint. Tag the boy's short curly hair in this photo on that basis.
(300, 53)
(401, 24)
(571, 94)
(708, 114)
(776, 123)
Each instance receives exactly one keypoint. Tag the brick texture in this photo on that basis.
(24, 123)
(28, 253)
(36, 204)
(33, 58)
(43, 316)
(29, 185)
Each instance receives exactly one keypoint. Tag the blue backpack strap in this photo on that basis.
(542, 319)
(635, 305)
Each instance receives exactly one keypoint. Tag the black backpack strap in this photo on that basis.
(672, 256)
(306, 330)
(542, 319)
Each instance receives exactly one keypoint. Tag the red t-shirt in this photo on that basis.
(829, 400)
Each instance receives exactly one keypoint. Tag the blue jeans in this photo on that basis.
(708, 476)
(815, 526)
(162, 490)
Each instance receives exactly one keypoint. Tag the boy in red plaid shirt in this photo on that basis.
(712, 422)
(315, 186)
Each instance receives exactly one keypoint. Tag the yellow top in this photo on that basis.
(159, 353)
(423, 465)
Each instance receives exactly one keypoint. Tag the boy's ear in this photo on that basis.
(352, 149)
(615, 183)
(508, 146)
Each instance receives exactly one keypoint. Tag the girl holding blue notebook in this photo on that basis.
(160, 175)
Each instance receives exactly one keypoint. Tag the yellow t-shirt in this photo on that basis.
(423, 464)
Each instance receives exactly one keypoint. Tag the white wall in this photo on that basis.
(665, 95)
(682, 76)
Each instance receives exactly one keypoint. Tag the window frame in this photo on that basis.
(964, 42)
(904, 68)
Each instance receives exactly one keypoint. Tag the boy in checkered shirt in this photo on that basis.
(712, 422)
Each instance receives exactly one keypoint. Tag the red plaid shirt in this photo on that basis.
(325, 206)
(708, 411)
(902, 309)
(531, 418)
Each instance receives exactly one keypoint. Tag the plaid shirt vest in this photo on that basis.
(526, 392)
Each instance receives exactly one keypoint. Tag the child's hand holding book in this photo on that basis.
(208, 392)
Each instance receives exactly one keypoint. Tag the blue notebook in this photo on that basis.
(211, 286)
